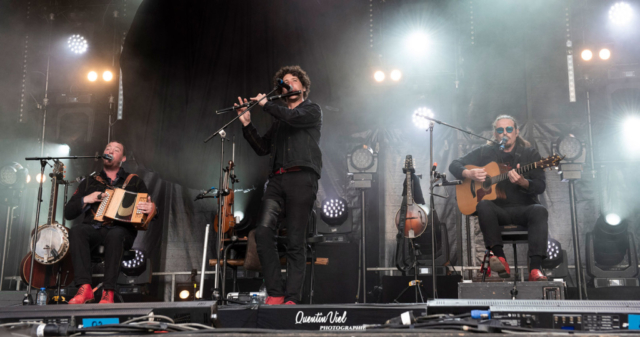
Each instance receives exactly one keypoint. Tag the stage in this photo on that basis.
(523, 316)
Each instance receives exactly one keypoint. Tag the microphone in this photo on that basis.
(106, 156)
(503, 142)
(281, 84)
(448, 183)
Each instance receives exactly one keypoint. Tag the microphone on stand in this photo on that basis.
(105, 156)
(281, 84)
(503, 142)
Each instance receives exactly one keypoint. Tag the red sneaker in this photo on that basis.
(537, 275)
(500, 265)
(274, 300)
(107, 297)
(290, 303)
(84, 295)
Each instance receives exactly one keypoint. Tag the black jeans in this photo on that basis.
(84, 239)
(294, 193)
(533, 217)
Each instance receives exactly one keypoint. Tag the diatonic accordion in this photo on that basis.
(122, 205)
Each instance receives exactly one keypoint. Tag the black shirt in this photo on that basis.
(515, 194)
(293, 139)
(76, 207)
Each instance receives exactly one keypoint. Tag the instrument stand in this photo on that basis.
(415, 283)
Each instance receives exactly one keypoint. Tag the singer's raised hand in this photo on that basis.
(246, 118)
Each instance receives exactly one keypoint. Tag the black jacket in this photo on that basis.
(515, 195)
(75, 206)
(294, 136)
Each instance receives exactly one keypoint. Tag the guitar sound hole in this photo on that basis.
(486, 184)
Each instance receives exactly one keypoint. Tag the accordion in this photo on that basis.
(122, 205)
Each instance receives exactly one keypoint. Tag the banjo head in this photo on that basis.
(52, 244)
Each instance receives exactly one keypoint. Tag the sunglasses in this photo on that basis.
(501, 130)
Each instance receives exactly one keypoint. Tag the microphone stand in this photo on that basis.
(222, 194)
(28, 300)
(431, 196)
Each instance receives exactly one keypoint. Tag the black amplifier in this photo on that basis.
(560, 314)
(546, 290)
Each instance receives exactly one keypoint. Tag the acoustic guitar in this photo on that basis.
(471, 192)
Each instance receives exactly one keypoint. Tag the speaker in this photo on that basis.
(325, 228)
(337, 282)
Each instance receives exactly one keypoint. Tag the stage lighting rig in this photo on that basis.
(92, 76)
(420, 117)
(556, 264)
(334, 211)
(620, 13)
(77, 44)
(379, 76)
(13, 175)
(575, 152)
(611, 253)
(586, 55)
(362, 160)
(396, 75)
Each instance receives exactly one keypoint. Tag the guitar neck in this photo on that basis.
(52, 202)
(505, 176)
(409, 189)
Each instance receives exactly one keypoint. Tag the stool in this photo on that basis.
(511, 234)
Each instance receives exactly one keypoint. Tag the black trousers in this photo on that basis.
(85, 239)
(533, 217)
(295, 193)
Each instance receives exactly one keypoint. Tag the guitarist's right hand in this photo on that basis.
(477, 174)
(93, 197)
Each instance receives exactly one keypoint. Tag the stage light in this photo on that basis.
(107, 76)
(586, 55)
(92, 76)
(620, 13)
(239, 215)
(396, 75)
(39, 178)
(630, 132)
(379, 76)
(420, 117)
(417, 43)
(134, 266)
(14, 174)
(362, 159)
(604, 54)
(184, 294)
(77, 44)
(64, 150)
(334, 211)
(612, 219)
(28, 178)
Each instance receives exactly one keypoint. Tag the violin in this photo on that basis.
(226, 210)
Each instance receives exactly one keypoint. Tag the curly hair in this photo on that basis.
(294, 71)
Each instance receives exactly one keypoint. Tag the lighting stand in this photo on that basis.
(362, 181)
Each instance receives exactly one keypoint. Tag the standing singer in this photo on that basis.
(292, 142)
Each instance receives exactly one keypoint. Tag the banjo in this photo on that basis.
(53, 238)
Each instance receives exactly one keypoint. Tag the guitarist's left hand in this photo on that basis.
(518, 179)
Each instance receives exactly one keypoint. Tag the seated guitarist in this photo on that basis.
(115, 236)
(519, 204)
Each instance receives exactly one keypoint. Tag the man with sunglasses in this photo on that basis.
(517, 201)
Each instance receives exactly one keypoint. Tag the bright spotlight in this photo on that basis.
(604, 54)
(612, 219)
(64, 149)
(184, 294)
(586, 55)
(420, 117)
(28, 178)
(39, 178)
(630, 131)
(238, 214)
(107, 76)
(378, 76)
(620, 13)
(417, 43)
(396, 75)
(77, 44)
(92, 76)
